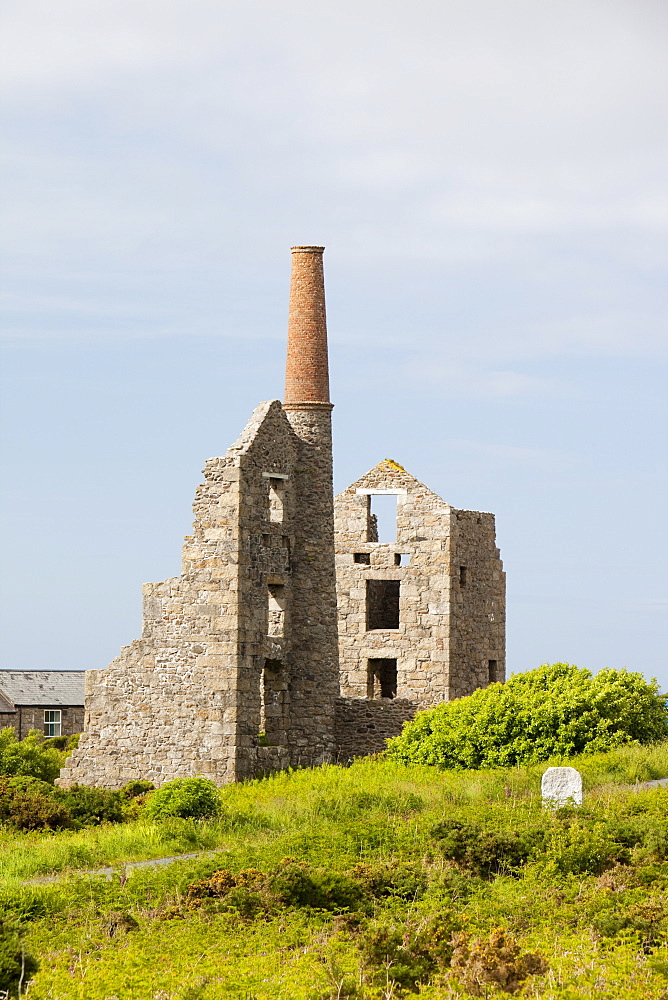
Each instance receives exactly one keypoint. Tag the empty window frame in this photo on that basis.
(276, 499)
(381, 678)
(52, 722)
(383, 517)
(382, 604)
(273, 695)
(276, 609)
(492, 671)
(402, 559)
(362, 557)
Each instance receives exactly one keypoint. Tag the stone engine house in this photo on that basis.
(243, 665)
(421, 616)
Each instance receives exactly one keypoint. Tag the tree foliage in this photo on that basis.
(558, 710)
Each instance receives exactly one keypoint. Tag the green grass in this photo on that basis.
(334, 818)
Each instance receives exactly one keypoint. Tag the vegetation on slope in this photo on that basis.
(375, 881)
(556, 710)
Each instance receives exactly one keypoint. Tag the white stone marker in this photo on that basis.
(561, 786)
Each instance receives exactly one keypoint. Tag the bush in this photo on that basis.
(402, 954)
(192, 798)
(495, 961)
(90, 806)
(30, 804)
(557, 710)
(16, 966)
(33, 756)
(485, 853)
(290, 885)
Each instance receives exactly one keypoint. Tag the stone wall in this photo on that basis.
(363, 725)
(212, 678)
(477, 604)
(451, 601)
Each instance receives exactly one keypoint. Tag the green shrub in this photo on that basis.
(582, 849)
(289, 885)
(496, 961)
(486, 853)
(29, 804)
(398, 879)
(402, 954)
(645, 920)
(16, 965)
(90, 806)
(554, 711)
(33, 756)
(190, 798)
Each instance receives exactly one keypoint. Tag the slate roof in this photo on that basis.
(42, 687)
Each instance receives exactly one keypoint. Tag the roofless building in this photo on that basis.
(243, 659)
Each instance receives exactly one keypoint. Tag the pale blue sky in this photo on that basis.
(490, 181)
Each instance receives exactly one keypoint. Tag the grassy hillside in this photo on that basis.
(374, 881)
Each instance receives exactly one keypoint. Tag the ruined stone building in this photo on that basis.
(243, 665)
(421, 616)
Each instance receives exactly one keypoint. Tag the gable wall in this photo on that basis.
(420, 643)
(449, 627)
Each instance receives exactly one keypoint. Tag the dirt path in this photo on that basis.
(121, 867)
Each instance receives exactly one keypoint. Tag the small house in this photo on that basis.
(50, 701)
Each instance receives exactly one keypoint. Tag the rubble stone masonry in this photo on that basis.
(242, 657)
(449, 636)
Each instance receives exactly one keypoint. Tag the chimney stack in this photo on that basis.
(307, 374)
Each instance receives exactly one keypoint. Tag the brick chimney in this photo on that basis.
(306, 374)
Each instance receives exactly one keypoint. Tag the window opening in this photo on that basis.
(52, 721)
(381, 678)
(462, 576)
(275, 609)
(276, 500)
(402, 559)
(493, 671)
(382, 604)
(362, 557)
(273, 693)
(383, 508)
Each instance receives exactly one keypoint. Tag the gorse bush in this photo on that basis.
(558, 710)
(32, 757)
(190, 798)
(30, 804)
(292, 884)
(16, 965)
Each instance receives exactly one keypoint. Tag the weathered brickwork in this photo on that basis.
(243, 656)
(449, 636)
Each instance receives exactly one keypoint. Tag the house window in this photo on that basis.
(381, 678)
(52, 721)
(382, 604)
(362, 557)
(462, 576)
(493, 671)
